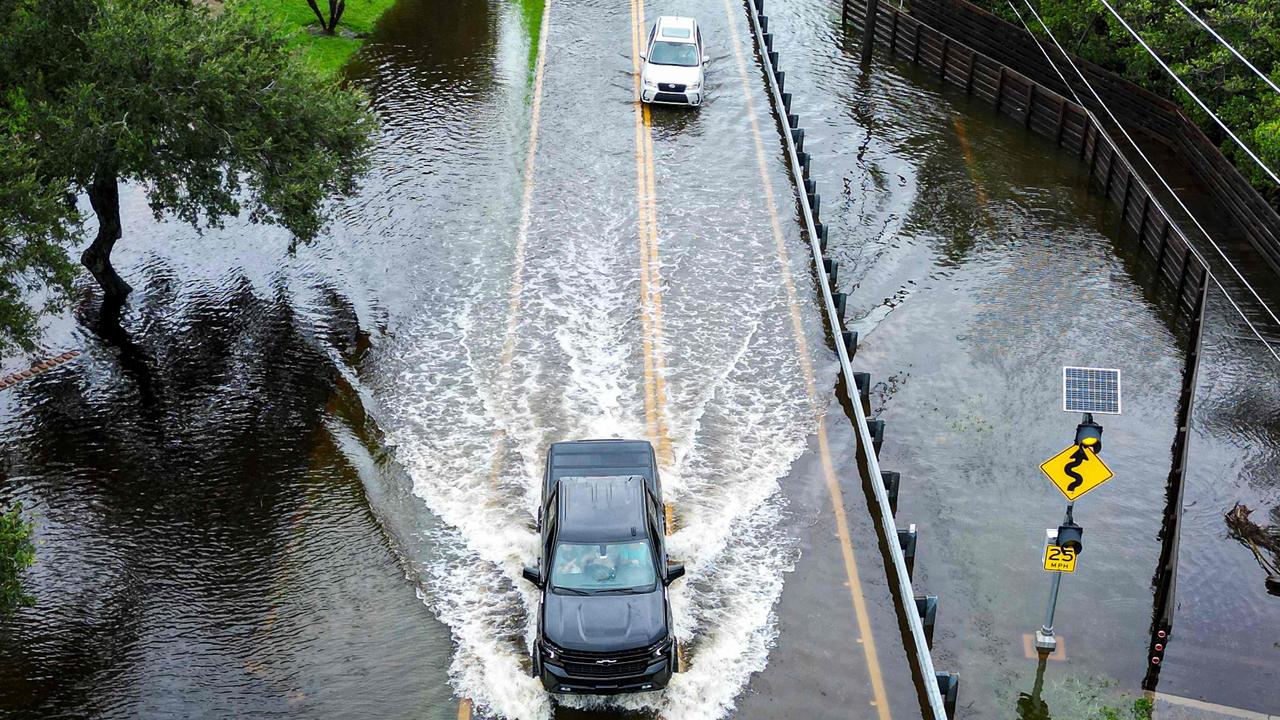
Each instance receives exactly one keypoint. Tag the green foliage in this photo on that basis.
(213, 115)
(1141, 709)
(16, 553)
(1243, 101)
(36, 226)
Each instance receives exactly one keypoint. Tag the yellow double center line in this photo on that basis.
(655, 367)
(880, 699)
(655, 364)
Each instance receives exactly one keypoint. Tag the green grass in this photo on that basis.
(325, 53)
(531, 14)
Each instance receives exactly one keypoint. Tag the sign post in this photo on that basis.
(1075, 471)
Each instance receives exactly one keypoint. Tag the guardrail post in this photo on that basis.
(927, 609)
(862, 381)
(907, 541)
(822, 236)
(841, 299)
(949, 686)
(876, 428)
(850, 338)
(892, 480)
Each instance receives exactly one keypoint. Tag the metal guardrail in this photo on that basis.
(793, 136)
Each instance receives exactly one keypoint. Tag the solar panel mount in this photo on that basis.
(1091, 390)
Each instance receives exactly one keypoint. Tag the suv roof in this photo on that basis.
(602, 509)
(683, 25)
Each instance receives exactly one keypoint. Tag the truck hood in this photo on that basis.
(605, 623)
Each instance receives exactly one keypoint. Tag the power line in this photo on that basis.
(1188, 90)
(1157, 174)
(1222, 40)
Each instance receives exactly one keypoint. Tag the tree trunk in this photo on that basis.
(324, 25)
(104, 195)
(336, 8)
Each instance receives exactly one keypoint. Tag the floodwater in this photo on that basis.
(307, 489)
(978, 265)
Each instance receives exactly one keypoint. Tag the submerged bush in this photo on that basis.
(16, 553)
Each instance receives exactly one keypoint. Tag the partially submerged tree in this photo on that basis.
(336, 8)
(211, 115)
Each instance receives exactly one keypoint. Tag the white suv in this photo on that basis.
(673, 63)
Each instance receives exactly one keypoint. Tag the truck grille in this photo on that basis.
(671, 87)
(670, 97)
(582, 663)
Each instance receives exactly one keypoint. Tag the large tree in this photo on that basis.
(212, 115)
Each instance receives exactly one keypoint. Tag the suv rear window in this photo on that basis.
(603, 567)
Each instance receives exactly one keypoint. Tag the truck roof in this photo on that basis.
(599, 458)
(602, 508)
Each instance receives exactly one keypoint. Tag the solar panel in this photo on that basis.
(1091, 390)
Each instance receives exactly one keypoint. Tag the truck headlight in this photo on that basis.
(548, 652)
(650, 84)
(696, 86)
(662, 649)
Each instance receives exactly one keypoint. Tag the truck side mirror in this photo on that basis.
(532, 574)
(675, 571)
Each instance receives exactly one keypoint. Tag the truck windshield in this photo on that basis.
(669, 53)
(603, 567)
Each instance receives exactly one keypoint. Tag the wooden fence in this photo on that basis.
(1043, 110)
(1158, 118)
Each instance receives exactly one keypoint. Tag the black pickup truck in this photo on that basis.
(604, 623)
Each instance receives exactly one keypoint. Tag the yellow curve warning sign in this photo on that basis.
(1059, 559)
(1075, 471)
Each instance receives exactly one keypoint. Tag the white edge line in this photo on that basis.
(907, 595)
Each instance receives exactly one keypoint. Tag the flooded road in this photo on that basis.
(313, 495)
